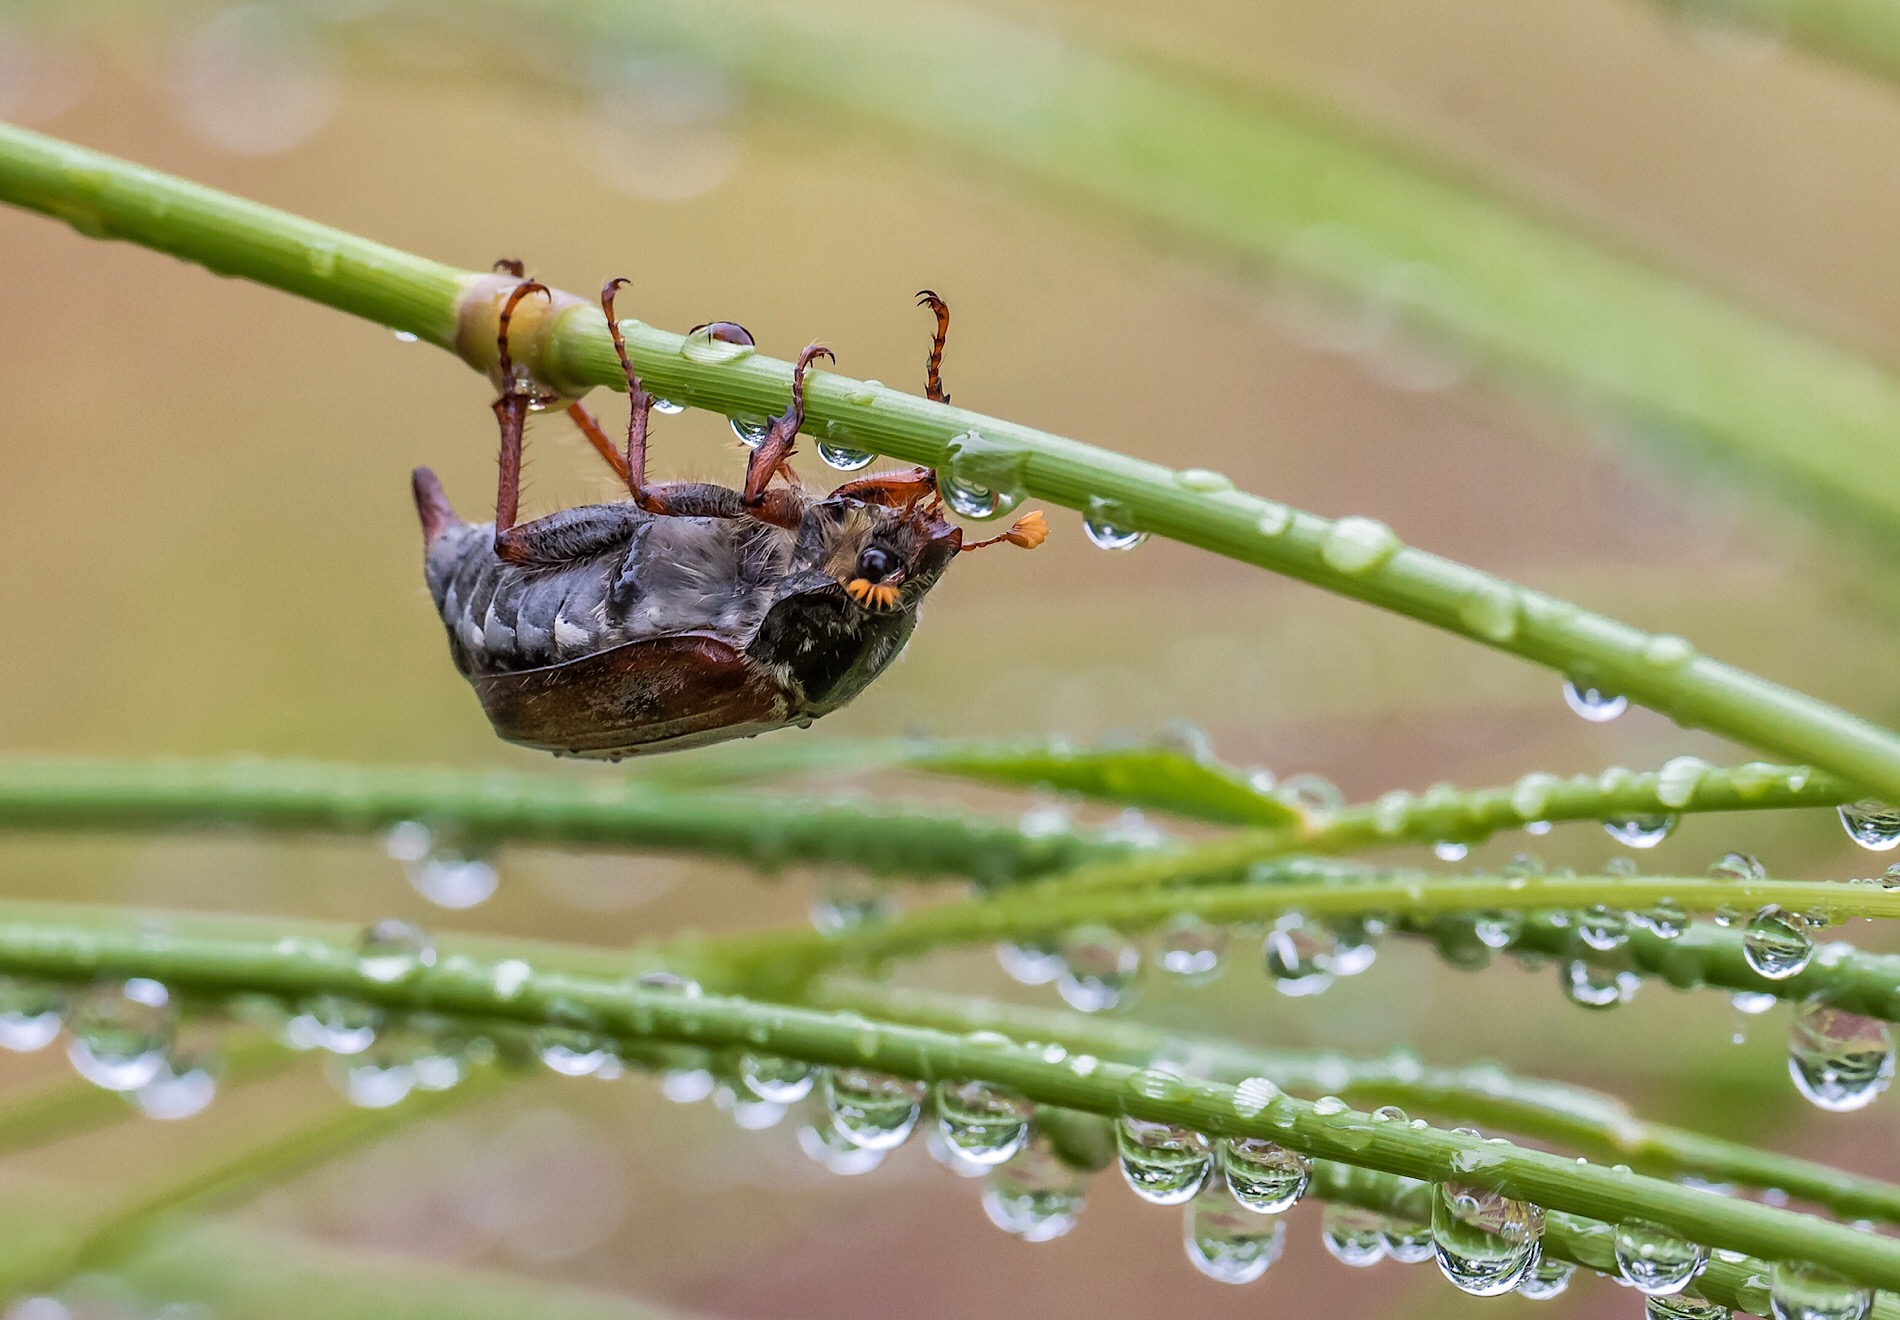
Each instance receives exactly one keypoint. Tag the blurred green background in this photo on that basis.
(210, 549)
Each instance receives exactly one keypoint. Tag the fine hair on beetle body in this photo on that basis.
(690, 612)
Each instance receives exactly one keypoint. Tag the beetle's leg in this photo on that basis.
(511, 411)
(782, 433)
(597, 437)
(933, 369)
(1028, 531)
(891, 489)
(639, 402)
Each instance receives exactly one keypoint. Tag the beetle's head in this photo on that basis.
(885, 557)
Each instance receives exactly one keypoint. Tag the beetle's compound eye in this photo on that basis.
(876, 563)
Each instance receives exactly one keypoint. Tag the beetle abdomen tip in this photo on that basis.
(432, 506)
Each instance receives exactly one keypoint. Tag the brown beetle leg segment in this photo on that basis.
(782, 433)
(511, 412)
(1028, 531)
(597, 437)
(933, 369)
(891, 490)
(639, 402)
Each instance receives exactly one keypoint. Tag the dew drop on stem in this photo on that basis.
(1872, 824)
(1839, 1060)
(29, 1014)
(1683, 1306)
(874, 1110)
(985, 1124)
(1227, 1244)
(1486, 1242)
(1655, 1261)
(1641, 831)
(1351, 1235)
(392, 949)
(775, 1078)
(118, 1032)
(1776, 943)
(1035, 1197)
(1800, 1291)
(1592, 702)
(1099, 967)
(1264, 1176)
(1110, 526)
(1547, 1279)
(1164, 1164)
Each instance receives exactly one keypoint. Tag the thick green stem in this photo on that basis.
(615, 1008)
(1588, 1122)
(1353, 557)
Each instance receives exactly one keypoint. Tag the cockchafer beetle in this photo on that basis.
(690, 613)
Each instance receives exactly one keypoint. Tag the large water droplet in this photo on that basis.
(1655, 1261)
(1355, 545)
(1839, 1060)
(1666, 919)
(1776, 943)
(1799, 1291)
(717, 344)
(775, 1078)
(667, 407)
(687, 1086)
(1643, 831)
(1590, 986)
(845, 458)
(1099, 966)
(390, 950)
(984, 1123)
(1166, 1165)
(1592, 702)
(1035, 1196)
(1109, 526)
(1408, 1244)
(1352, 1235)
(1226, 1243)
(1547, 1279)
(1030, 963)
(1487, 1243)
(984, 479)
(1263, 1175)
(1299, 956)
(1874, 825)
(825, 1145)
(29, 1014)
(1190, 949)
(119, 1032)
(871, 1109)
(1315, 795)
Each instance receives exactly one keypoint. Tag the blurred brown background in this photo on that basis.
(209, 548)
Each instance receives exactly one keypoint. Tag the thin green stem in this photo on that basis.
(1585, 1121)
(617, 1009)
(475, 808)
(1352, 557)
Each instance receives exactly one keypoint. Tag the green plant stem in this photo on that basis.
(1588, 1122)
(488, 807)
(106, 197)
(785, 958)
(617, 1009)
(1863, 33)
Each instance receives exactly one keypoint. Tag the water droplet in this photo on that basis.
(1799, 1291)
(1316, 795)
(1274, 519)
(1263, 1175)
(1190, 949)
(711, 346)
(983, 1123)
(949, 1156)
(1408, 1244)
(571, 1053)
(843, 904)
(390, 950)
(1253, 1095)
(1874, 825)
(1298, 955)
(1490, 609)
(1530, 795)
(334, 1023)
(1355, 946)
(844, 458)
(447, 875)
(1450, 850)
(667, 407)
(1667, 651)
(750, 429)
(1839, 1060)
(827, 1147)
(1226, 1243)
(871, 1109)
(1593, 703)
(1035, 1196)
(29, 1014)
(1753, 1002)
(1738, 867)
(119, 1032)
(1676, 782)
(1099, 966)
(1487, 1243)
(687, 1086)
(1683, 1306)
(1596, 987)
(185, 1084)
(380, 1076)
(1654, 1261)
(984, 479)
(404, 336)
(1602, 928)
(865, 392)
(1352, 1235)
(1539, 827)
(1645, 831)
(748, 1112)
(1166, 1165)
(1665, 919)
(1357, 545)
(1203, 481)
(772, 1077)
(1547, 1279)
(1030, 963)
(1776, 943)
(1109, 526)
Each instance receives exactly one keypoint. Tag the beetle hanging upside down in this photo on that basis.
(690, 613)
